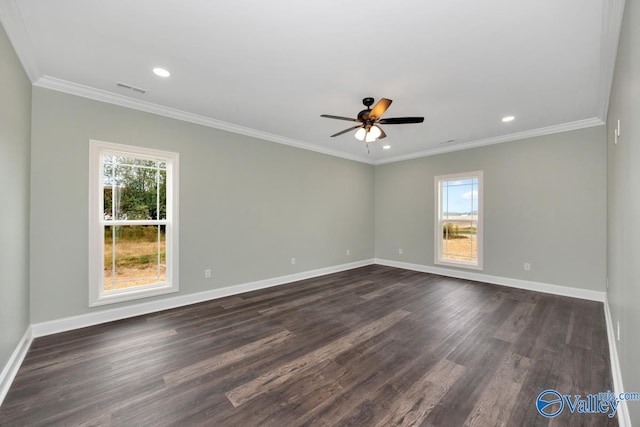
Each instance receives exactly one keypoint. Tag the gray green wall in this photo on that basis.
(246, 205)
(624, 202)
(544, 203)
(15, 129)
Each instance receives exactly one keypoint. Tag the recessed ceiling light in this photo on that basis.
(508, 119)
(161, 72)
(386, 147)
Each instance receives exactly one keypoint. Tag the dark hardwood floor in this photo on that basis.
(374, 346)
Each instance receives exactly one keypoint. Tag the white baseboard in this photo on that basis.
(624, 420)
(104, 316)
(497, 280)
(109, 315)
(13, 365)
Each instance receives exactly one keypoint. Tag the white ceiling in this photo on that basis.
(270, 68)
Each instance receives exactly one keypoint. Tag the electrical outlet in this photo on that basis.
(207, 273)
(618, 324)
(527, 266)
(400, 251)
(348, 251)
(293, 261)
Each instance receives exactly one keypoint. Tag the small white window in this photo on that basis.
(133, 222)
(458, 220)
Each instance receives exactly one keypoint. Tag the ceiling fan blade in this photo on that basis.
(345, 131)
(401, 120)
(379, 108)
(382, 134)
(328, 116)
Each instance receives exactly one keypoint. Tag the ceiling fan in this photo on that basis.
(369, 120)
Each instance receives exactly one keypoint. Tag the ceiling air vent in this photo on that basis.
(133, 88)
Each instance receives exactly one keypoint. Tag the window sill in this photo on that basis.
(459, 264)
(134, 294)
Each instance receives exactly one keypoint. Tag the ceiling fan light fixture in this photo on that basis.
(360, 134)
(375, 132)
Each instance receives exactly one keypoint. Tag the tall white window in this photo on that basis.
(458, 224)
(133, 222)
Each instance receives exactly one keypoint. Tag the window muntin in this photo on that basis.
(458, 225)
(133, 222)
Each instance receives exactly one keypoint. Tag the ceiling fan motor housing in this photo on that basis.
(363, 116)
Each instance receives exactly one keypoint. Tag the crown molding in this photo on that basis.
(11, 20)
(564, 127)
(65, 86)
(612, 14)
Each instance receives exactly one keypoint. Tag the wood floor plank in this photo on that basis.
(298, 302)
(501, 393)
(220, 361)
(520, 318)
(383, 291)
(415, 404)
(367, 371)
(300, 396)
(279, 376)
(375, 345)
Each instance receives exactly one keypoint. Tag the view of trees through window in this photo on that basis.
(135, 214)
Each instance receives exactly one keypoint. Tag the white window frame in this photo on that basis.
(438, 259)
(97, 295)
